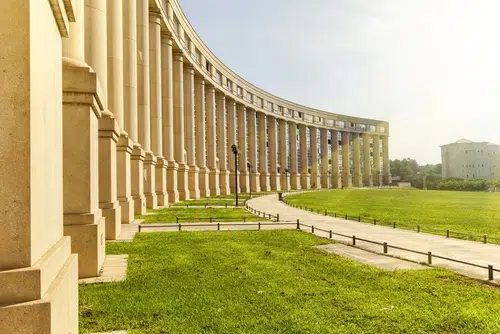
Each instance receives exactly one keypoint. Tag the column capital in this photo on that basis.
(178, 55)
(155, 16)
(167, 38)
(189, 68)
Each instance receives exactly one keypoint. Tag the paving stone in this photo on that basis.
(114, 269)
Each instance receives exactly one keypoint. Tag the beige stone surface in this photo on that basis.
(114, 269)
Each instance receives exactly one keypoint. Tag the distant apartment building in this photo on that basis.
(471, 160)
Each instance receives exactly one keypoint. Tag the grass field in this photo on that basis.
(221, 200)
(276, 282)
(466, 212)
(194, 215)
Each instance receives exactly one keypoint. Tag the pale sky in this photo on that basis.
(429, 67)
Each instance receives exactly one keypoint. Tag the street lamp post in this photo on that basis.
(249, 166)
(235, 150)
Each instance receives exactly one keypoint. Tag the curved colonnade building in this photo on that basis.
(112, 107)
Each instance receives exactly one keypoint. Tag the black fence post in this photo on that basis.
(447, 233)
(244, 219)
(335, 215)
(418, 228)
(429, 257)
(359, 219)
(211, 220)
(346, 216)
(298, 224)
(259, 226)
(139, 227)
(177, 220)
(374, 221)
(393, 224)
(385, 247)
(490, 272)
(326, 213)
(331, 234)
(218, 226)
(278, 217)
(354, 240)
(226, 205)
(312, 229)
(485, 239)
(180, 227)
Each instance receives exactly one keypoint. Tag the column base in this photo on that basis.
(172, 190)
(265, 182)
(377, 180)
(232, 182)
(225, 188)
(204, 182)
(124, 179)
(387, 178)
(137, 172)
(112, 213)
(285, 182)
(244, 182)
(336, 181)
(127, 207)
(295, 181)
(87, 234)
(275, 181)
(161, 182)
(182, 179)
(149, 181)
(347, 181)
(325, 181)
(193, 183)
(42, 298)
(357, 181)
(214, 182)
(305, 181)
(368, 181)
(255, 182)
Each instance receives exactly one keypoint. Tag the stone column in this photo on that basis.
(155, 97)
(367, 171)
(285, 172)
(243, 146)
(252, 150)
(130, 107)
(116, 106)
(336, 176)
(376, 161)
(305, 179)
(143, 62)
(38, 273)
(211, 142)
(221, 144)
(180, 153)
(189, 131)
(325, 179)
(387, 177)
(264, 173)
(357, 178)
(273, 154)
(232, 140)
(313, 132)
(201, 154)
(167, 92)
(96, 57)
(346, 160)
(294, 169)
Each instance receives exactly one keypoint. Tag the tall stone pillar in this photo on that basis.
(376, 161)
(294, 167)
(367, 171)
(211, 142)
(325, 179)
(96, 57)
(116, 106)
(285, 172)
(167, 92)
(263, 145)
(252, 150)
(357, 178)
(201, 138)
(305, 177)
(38, 273)
(143, 102)
(130, 107)
(155, 97)
(232, 140)
(273, 154)
(336, 176)
(346, 160)
(180, 153)
(221, 144)
(189, 132)
(243, 146)
(387, 177)
(313, 132)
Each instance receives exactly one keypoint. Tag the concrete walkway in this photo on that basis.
(463, 250)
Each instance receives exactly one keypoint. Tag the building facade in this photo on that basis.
(466, 159)
(114, 106)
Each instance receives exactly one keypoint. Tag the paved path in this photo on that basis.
(463, 250)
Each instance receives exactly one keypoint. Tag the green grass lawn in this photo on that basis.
(466, 212)
(221, 200)
(200, 215)
(276, 282)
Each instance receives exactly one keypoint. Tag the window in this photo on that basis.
(218, 77)
(198, 56)
(270, 106)
(300, 114)
(239, 91)
(229, 83)
(208, 67)
(280, 109)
